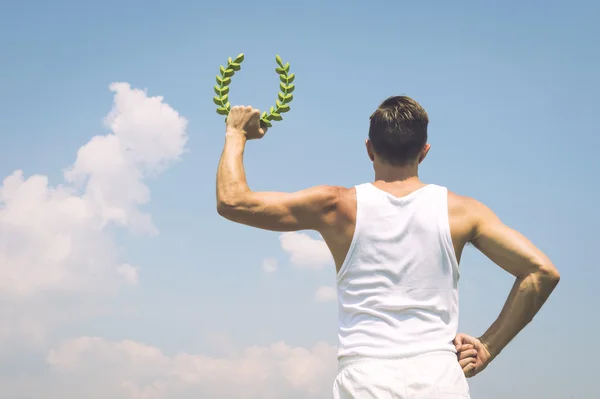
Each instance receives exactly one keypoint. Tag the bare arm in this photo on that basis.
(536, 276)
(308, 209)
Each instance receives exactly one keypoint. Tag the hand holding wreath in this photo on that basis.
(245, 121)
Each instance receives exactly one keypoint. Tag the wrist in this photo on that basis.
(235, 134)
(491, 349)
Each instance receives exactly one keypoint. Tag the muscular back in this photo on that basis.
(340, 227)
(470, 221)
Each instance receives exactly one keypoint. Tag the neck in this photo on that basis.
(390, 173)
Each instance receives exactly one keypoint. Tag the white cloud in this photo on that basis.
(97, 368)
(146, 136)
(306, 251)
(269, 265)
(325, 294)
(53, 240)
(129, 273)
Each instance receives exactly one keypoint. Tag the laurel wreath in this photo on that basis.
(284, 97)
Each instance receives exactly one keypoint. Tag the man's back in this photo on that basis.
(340, 226)
(398, 285)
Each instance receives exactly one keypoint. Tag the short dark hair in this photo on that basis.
(398, 130)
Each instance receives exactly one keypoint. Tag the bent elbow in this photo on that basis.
(549, 273)
(225, 208)
(232, 210)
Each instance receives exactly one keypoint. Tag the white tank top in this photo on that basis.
(398, 286)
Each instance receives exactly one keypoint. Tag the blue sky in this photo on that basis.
(511, 91)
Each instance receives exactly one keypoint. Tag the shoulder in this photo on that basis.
(336, 210)
(465, 205)
(333, 206)
(330, 197)
(459, 201)
(467, 212)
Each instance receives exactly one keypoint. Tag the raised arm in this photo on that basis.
(308, 209)
(536, 276)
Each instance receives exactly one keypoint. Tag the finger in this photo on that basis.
(263, 127)
(468, 340)
(465, 362)
(468, 353)
(469, 370)
(463, 348)
(458, 341)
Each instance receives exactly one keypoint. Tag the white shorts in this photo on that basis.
(432, 376)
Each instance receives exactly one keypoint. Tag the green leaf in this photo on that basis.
(284, 97)
(279, 61)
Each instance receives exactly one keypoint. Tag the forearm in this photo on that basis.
(526, 298)
(231, 177)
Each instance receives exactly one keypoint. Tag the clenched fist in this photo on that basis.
(473, 355)
(245, 121)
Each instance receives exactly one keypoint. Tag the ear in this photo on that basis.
(424, 152)
(370, 150)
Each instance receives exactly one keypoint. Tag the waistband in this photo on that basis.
(350, 361)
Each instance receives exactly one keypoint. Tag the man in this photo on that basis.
(397, 244)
